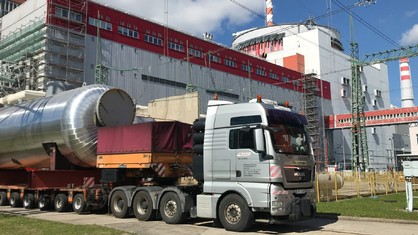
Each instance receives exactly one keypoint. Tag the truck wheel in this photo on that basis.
(29, 201)
(61, 203)
(234, 214)
(142, 206)
(79, 205)
(170, 209)
(44, 203)
(119, 205)
(3, 199)
(15, 200)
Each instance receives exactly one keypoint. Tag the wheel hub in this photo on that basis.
(142, 207)
(170, 208)
(118, 205)
(77, 204)
(233, 213)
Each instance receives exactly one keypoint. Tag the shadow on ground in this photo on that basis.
(263, 227)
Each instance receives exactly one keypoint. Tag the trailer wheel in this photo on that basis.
(29, 201)
(119, 205)
(142, 206)
(170, 209)
(44, 203)
(61, 203)
(15, 200)
(3, 199)
(234, 214)
(79, 205)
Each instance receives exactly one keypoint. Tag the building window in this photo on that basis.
(364, 88)
(246, 68)
(195, 53)
(343, 93)
(214, 58)
(377, 93)
(374, 102)
(274, 76)
(260, 72)
(285, 79)
(230, 63)
(153, 40)
(175, 46)
(101, 24)
(64, 13)
(345, 81)
(128, 32)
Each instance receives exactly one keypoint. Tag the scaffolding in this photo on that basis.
(50, 48)
(313, 114)
(18, 52)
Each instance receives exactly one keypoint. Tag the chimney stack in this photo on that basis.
(407, 93)
(269, 13)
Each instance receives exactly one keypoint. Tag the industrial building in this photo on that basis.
(50, 45)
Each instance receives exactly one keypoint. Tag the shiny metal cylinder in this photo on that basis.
(68, 119)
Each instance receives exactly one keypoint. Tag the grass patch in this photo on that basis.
(390, 206)
(16, 225)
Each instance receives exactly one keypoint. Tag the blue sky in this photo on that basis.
(396, 20)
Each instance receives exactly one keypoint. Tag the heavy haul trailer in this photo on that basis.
(250, 161)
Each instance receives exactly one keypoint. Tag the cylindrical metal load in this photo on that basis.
(68, 120)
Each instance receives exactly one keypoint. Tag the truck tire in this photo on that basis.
(170, 209)
(3, 199)
(234, 213)
(44, 202)
(119, 205)
(61, 203)
(29, 201)
(142, 206)
(80, 205)
(15, 200)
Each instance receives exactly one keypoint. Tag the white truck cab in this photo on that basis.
(257, 163)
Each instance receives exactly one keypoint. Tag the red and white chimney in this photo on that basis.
(269, 12)
(407, 93)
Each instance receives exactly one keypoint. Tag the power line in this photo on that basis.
(365, 23)
(248, 9)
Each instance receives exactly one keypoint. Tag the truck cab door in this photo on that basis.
(248, 163)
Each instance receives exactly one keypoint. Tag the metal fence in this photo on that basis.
(340, 185)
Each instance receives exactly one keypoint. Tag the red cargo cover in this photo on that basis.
(155, 137)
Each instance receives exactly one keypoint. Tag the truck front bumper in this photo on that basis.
(292, 205)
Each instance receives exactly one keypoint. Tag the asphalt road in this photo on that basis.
(323, 226)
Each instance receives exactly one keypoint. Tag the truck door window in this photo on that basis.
(241, 139)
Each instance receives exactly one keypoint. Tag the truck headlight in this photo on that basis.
(277, 204)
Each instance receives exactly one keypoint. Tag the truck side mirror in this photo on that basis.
(260, 145)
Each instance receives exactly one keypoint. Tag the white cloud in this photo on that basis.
(193, 16)
(410, 37)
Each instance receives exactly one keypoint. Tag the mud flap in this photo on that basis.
(300, 208)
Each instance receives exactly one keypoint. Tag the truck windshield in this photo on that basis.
(289, 139)
(288, 132)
